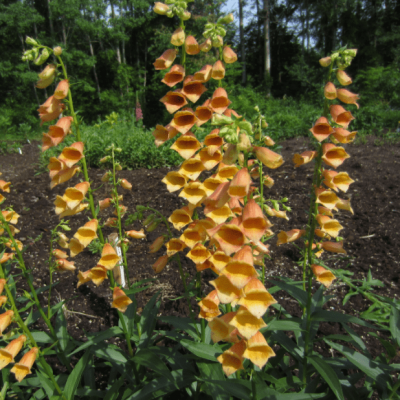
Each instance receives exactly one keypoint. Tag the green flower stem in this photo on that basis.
(308, 254)
(183, 54)
(83, 160)
(32, 289)
(28, 334)
(119, 223)
(50, 262)
(260, 171)
(4, 390)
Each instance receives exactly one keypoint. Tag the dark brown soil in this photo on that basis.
(371, 234)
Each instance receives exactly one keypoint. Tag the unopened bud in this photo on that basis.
(206, 46)
(44, 55)
(264, 124)
(186, 15)
(118, 167)
(104, 159)
(160, 8)
(217, 41)
(149, 219)
(57, 51)
(325, 62)
(48, 72)
(350, 52)
(31, 41)
(244, 142)
(153, 226)
(226, 20)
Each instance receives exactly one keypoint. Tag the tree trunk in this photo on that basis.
(267, 46)
(50, 20)
(94, 68)
(307, 25)
(64, 34)
(242, 44)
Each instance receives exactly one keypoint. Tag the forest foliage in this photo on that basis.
(110, 46)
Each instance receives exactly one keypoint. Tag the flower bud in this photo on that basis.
(229, 55)
(217, 41)
(244, 142)
(186, 15)
(160, 8)
(325, 62)
(48, 72)
(153, 226)
(206, 46)
(350, 52)
(104, 160)
(57, 51)
(148, 220)
(118, 167)
(31, 41)
(343, 78)
(44, 55)
(160, 264)
(178, 37)
(157, 244)
(125, 184)
(330, 92)
(226, 20)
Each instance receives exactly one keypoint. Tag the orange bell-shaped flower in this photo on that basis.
(204, 75)
(344, 136)
(8, 354)
(173, 101)
(218, 70)
(343, 78)
(219, 101)
(203, 113)
(323, 275)
(330, 91)
(120, 300)
(341, 116)
(72, 154)
(246, 323)
(87, 233)
(174, 75)
(186, 145)
(209, 306)
(222, 330)
(180, 218)
(232, 359)
(23, 367)
(332, 155)
(347, 97)
(166, 59)
(174, 245)
(229, 55)
(191, 46)
(174, 181)
(269, 158)
(258, 351)
(62, 89)
(178, 37)
(109, 257)
(321, 130)
(184, 120)
(160, 264)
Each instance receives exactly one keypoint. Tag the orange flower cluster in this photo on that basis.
(333, 156)
(228, 239)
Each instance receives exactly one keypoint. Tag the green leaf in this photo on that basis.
(99, 337)
(202, 350)
(274, 395)
(328, 374)
(61, 329)
(298, 293)
(76, 375)
(113, 392)
(394, 324)
(184, 324)
(42, 337)
(334, 316)
(147, 358)
(148, 320)
(283, 325)
(369, 367)
(213, 370)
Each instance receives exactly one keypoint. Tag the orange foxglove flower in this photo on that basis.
(2, 198)
(209, 161)
(23, 367)
(50, 109)
(229, 55)
(180, 218)
(232, 359)
(240, 184)
(218, 71)
(258, 351)
(173, 101)
(203, 113)
(347, 97)
(235, 206)
(269, 158)
(193, 192)
(268, 141)
(10, 245)
(230, 237)
(64, 265)
(157, 244)
(83, 277)
(79, 208)
(160, 264)
(5, 320)
(256, 298)
(227, 293)
(240, 269)
(341, 116)
(186, 145)
(73, 196)
(11, 216)
(213, 141)
(329, 226)
(218, 215)
(174, 181)
(206, 46)
(174, 245)
(219, 259)
(5, 257)
(226, 172)
(98, 274)
(204, 75)
(343, 204)
(222, 330)
(199, 254)
(174, 76)
(184, 120)
(166, 59)
(75, 247)
(71, 155)
(109, 257)
(326, 197)
(325, 62)
(209, 306)
(332, 155)
(323, 275)
(231, 154)
(324, 211)
(136, 234)
(87, 232)
(211, 184)
(336, 180)
(122, 209)
(334, 247)
(193, 89)
(193, 235)
(62, 89)
(343, 78)
(126, 185)
(63, 175)
(268, 181)
(60, 254)
(290, 236)
(55, 166)
(219, 101)
(321, 130)
(178, 37)
(246, 323)
(330, 91)
(192, 168)
(8, 354)
(191, 46)
(120, 300)
(44, 83)
(254, 223)
(160, 135)
(5, 186)
(62, 240)
(343, 136)
(65, 124)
